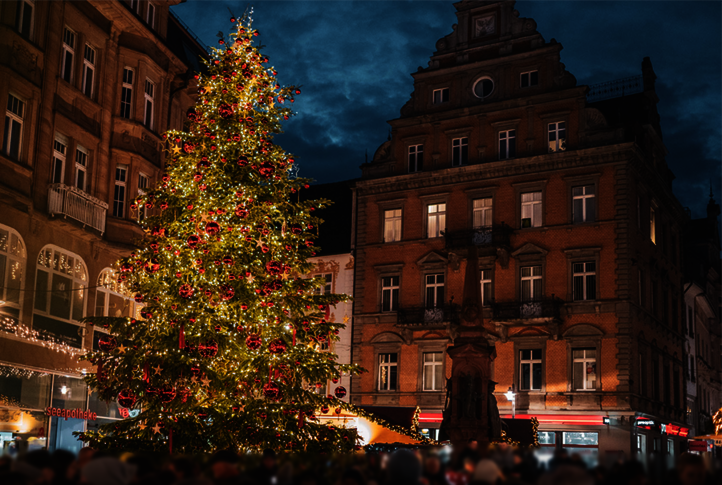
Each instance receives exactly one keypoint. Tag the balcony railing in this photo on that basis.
(547, 308)
(491, 236)
(428, 316)
(615, 89)
(75, 203)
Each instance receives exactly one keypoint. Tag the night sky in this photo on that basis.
(354, 59)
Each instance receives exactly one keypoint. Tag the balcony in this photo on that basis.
(76, 204)
(492, 236)
(422, 316)
(526, 311)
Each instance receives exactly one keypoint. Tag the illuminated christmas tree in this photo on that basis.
(226, 353)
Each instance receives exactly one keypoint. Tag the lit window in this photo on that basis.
(588, 439)
(60, 146)
(126, 93)
(13, 127)
(652, 225)
(483, 87)
(433, 371)
(486, 285)
(149, 97)
(66, 70)
(441, 95)
(531, 209)
(392, 225)
(434, 290)
(61, 285)
(113, 299)
(81, 168)
(585, 369)
(388, 371)
(88, 70)
(583, 204)
(24, 18)
(531, 283)
(121, 174)
(416, 158)
(530, 370)
(482, 212)
(459, 151)
(557, 136)
(390, 293)
(12, 271)
(436, 220)
(507, 144)
(585, 280)
(528, 79)
(150, 18)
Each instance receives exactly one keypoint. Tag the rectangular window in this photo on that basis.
(416, 158)
(392, 225)
(441, 96)
(13, 127)
(88, 70)
(530, 370)
(529, 79)
(135, 5)
(81, 168)
(126, 93)
(328, 283)
(434, 290)
(531, 209)
(390, 293)
(652, 225)
(66, 70)
(507, 144)
(121, 173)
(433, 371)
(482, 212)
(142, 188)
(150, 18)
(58, 169)
(584, 276)
(585, 369)
(531, 283)
(24, 18)
(583, 204)
(149, 96)
(585, 439)
(459, 151)
(486, 285)
(388, 371)
(436, 220)
(557, 136)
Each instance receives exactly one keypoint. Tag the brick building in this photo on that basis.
(88, 87)
(565, 192)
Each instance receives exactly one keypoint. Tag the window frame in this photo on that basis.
(584, 274)
(14, 120)
(439, 215)
(89, 65)
(488, 212)
(582, 255)
(481, 79)
(59, 157)
(150, 15)
(460, 151)
(531, 203)
(519, 362)
(20, 19)
(142, 211)
(529, 81)
(68, 49)
(49, 284)
(149, 98)
(443, 96)
(560, 143)
(436, 387)
(531, 278)
(483, 273)
(103, 289)
(391, 287)
(509, 137)
(439, 288)
(388, 365)
(126, 90)
(392, 219)
(596, 359)
(12, 258)
(124, 184)
(415, 152)
(80, 153)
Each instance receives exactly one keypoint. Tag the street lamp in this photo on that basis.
(511, 396)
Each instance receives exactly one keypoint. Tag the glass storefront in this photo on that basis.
(584, 444)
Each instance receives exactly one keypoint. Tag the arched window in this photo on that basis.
(12, 271)
(61, 290)
(113, 299)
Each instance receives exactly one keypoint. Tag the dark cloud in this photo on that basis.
(354, 59)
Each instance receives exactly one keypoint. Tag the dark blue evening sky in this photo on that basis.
(353, 60)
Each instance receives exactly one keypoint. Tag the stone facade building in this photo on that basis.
(565, 192)
(88, 86)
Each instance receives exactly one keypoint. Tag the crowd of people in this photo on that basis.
(403, 466)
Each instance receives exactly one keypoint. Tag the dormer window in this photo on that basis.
(440, 96)
(483, 87)
(529, 79)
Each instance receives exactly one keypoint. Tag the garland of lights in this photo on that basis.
(717, 420)
(42, 337)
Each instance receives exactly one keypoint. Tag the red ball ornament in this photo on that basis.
(340, 392)
(188, 147)
(277, 346)
(126, 268)
(127, 398)
(272, 391)
(193, 241)
(227, 260)
(274, 267)
(225, 110)
(266, 169)
(253, 341)
(208, 349)
(227, 292)
(138, 298)
(296, 229)
(192, 114)
(324, 409)
(213, 228)
(107, 343)
(242, 161)
(186, 291)
(338, 411)
(241, 212)
(146, 314)
(335, 380)
(166, 394)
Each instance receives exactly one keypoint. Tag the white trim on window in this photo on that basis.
(126, 93)
(531, 283)
(62, 292)
(68, 56)
(416, 158)
(392, 225)
(119, 192)
(440, 96)
(583, 204)
(24, 18)
(486, 287)
(113, 298)
(584, 368)
(434, 290)
(81, 168)
(149, 96)
(459, 151)
(389, 293)
(388, 371)
(13, 258)
(529, 79)
(507, 144)
(14, 114)
(88, 71)
(433, 377)
(60, 148)
(584, 280)
(557, 136)
(530, 360)
(482, 212)
(531, 209)
(150, 16)
(436, 220)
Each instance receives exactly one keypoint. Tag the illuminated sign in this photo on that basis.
(606, 420)
(71, 413)
(645, 423)
(674, 430)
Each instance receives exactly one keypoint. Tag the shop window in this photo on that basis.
(547, 437)
(126, 93)
(12, 272)
(392, 225)
(433, 371)
(113, 299)
(459, 151)
(586, 445)
(68, 393)
(416, 158)
(583, 204)
(13, 127)
(435, 220)
(482, 212)
(531, 209)
(388, 371)
(389, 293)
(61, 284)
(530, 369)
(66, 70)
(584, 369)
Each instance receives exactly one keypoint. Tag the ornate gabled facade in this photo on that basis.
(564, 190)
(89, 87)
